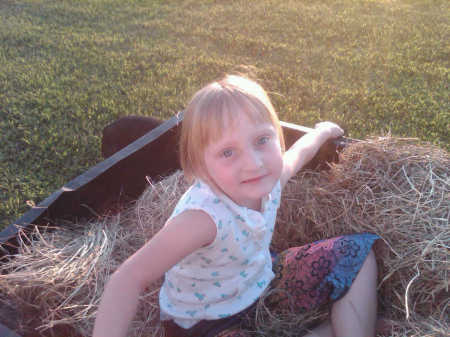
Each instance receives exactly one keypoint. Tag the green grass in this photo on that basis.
(68, 68)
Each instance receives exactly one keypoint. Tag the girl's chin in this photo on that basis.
(253, 199)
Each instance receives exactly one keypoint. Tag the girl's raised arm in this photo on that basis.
(306, 147)
(180, 236)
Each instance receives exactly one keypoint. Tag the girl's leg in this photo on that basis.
(355, 313)
(233, 333)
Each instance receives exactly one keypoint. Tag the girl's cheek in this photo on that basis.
(225, 162)
(275, 147)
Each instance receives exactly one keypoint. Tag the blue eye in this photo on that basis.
(227, 153)
(263, 140)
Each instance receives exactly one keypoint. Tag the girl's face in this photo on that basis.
(246, 162)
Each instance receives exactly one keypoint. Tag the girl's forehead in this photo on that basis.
(228, 117)
(240, 128)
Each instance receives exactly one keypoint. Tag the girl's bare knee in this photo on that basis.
(372, 259)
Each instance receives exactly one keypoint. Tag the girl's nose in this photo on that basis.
(253, 160)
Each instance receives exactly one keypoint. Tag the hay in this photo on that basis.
(400, 191)
(53, 285)
(395, 188)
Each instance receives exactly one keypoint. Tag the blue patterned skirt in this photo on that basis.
(306, 278)
(320, 272)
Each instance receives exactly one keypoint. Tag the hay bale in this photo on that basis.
(395, 188)
(55, 281)
(401, 191)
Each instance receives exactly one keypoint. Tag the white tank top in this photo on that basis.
(231, 273)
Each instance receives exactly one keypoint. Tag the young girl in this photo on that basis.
(214, 248)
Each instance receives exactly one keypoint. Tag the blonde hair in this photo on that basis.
(209, 113)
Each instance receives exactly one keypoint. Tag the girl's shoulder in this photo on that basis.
(198, 196)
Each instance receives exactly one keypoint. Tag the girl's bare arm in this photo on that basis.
(181, 236)
(306, 147)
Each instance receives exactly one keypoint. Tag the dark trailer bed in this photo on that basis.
(123, 177)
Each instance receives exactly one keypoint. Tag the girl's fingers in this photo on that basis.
(334, 129)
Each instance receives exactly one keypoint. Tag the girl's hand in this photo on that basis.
(306, 148)
(333, 130)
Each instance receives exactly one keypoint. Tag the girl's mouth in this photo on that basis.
(254, 180)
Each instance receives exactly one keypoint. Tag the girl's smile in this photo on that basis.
(253, 180)
(246, 161)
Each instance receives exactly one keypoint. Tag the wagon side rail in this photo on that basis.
(118, 178)
(122, 177)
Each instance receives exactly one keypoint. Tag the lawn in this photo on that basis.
(69, 67)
